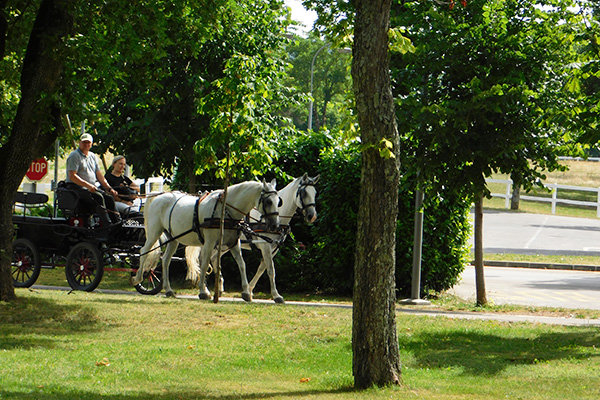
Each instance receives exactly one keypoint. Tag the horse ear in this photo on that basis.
(274, 183)
(316, 179)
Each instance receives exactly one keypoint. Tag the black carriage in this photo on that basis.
(76, 241)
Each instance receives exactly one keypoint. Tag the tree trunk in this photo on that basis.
(376, 358)
(516, 196)
(479, 278)
(32, 131)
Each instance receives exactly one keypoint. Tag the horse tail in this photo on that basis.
(192, 254)
(150, 259)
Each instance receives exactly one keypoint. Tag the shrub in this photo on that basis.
(320, 258)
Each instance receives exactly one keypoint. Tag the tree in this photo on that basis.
(374, 339)
(331, 81)
(584, 77)
(170, 103)
(110, 42)
(475, 95)
(37, 120)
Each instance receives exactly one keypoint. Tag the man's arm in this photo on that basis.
(81, 182)
(104, 183)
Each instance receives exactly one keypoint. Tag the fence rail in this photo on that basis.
(554, 199)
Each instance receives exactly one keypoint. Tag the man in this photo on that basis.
(83, 171)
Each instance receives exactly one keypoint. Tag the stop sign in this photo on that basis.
(37, 170)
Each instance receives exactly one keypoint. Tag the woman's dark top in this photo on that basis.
(121, 185)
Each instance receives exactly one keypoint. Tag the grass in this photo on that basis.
(55, 345)
(580, 173)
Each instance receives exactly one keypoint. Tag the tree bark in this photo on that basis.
(516, 196)
(376, 358)
(35, 124)
(479, 276)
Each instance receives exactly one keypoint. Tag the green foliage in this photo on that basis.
(216, 83)
(331, 82)
(446, 232)
(584, 77)
(473, 97)
(321, 258)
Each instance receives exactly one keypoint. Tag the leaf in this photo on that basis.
(103, 363)
(304, 380)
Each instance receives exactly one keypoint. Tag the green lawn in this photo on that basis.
(55, 345)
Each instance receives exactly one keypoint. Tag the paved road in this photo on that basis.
(521, 233)
(534, 287)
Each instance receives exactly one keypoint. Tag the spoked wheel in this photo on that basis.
(26, 263)
(84, 267)
(152, 282)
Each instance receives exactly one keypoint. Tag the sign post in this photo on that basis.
(37, 170)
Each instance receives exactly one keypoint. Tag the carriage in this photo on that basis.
(76, 241)
(91, 249)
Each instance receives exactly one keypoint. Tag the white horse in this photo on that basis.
(192, 222)
(299, 194)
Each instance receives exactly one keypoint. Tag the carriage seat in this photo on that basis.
(76, 211)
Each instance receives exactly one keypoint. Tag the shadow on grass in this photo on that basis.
(26, 321)
(79, 395)
(489, 354)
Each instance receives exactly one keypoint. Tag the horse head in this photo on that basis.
(269, 203)
(305, 197)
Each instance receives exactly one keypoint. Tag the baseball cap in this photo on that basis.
(86, 136)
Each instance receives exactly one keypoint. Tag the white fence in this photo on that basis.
(554, 199)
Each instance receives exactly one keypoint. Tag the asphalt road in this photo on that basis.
(534, 287)
(520, 233)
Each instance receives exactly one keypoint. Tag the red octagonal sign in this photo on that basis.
(37, 170)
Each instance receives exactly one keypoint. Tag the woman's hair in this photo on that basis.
(117, 158)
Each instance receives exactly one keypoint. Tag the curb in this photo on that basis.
(524, 264)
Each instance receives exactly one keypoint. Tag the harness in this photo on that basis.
(253, 228)
(214, 222)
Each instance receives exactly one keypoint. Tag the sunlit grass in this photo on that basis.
(55, 345)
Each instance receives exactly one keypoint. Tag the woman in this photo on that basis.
(126, 189)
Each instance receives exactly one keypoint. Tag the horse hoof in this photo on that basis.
(247, 297)
(204, 296)
(170, 293)
(132, 281)
(279, 300)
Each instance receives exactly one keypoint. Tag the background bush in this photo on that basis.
(320, 258)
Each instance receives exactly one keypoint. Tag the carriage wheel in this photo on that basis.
(26, 263)
(84, 268)
(151, 283)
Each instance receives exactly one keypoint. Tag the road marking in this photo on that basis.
(537, 233)
(582, 297)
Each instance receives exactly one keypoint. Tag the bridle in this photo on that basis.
(300, 194)
(263, 196)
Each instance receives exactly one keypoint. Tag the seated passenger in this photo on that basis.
(83, 172)
(126, 189)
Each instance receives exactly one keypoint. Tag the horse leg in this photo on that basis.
(166, 262)
(204, 261)
(261, 268)
(213, 263)
(270, 267)
(236, 252)
(150, 253)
